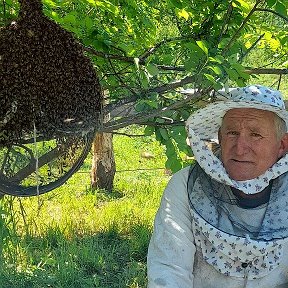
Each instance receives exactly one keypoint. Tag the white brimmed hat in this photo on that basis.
(206, 121)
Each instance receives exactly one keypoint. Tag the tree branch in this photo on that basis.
(120, 79)
(252, 47)
(151, 50)
(235, 36)
(266, 71)
(248, 70)
(225, 21)
(109, 56)
(128, 59)
(272, 11)
(138, 118)
(173, 85)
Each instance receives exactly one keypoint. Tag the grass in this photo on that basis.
(74, 237)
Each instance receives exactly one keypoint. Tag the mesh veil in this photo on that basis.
(217, 205)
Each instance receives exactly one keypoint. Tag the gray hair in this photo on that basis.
(280, 126)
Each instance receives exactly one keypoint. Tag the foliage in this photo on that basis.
(145, 52)
(73, 237)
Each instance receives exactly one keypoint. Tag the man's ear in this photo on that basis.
(219, 136)
(283, 145)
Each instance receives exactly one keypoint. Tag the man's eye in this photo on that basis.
(256, 135)
(232, 133)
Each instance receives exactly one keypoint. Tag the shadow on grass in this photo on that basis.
(106, 196)
(103, 260)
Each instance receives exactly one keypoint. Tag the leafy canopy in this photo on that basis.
(146, 51)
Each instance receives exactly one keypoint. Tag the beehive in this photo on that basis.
(45, 79)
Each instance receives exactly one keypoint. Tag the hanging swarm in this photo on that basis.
(45, 79)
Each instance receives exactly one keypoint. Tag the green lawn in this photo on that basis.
(74, 237)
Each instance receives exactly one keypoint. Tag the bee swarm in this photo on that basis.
(45, 79)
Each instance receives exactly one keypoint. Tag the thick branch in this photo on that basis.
(144, 116)
(173, 85)
(266, 71)
(114, 106)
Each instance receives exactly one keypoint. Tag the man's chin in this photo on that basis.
(241, 171)
(239, 175)
(242, 178)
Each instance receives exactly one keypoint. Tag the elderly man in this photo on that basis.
(223, 222)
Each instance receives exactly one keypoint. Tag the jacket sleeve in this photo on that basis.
(171, 250)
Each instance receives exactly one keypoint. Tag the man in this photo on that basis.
(223, 222)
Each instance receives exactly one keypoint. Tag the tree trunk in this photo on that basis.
(103, 162)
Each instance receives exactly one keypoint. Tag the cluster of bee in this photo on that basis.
(46, 80)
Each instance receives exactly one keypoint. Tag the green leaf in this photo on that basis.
(88, 23)
(191, 64)
(281, 8)
(216, 69)
(215, 84)
(233, 75)
(164, 133)
(210, 77)
(182, 14)
(240, 82)
(193, 48)
(92, 2)
(151, 103)
(152, 69)
(243, 5)
(223, 43)
(170, 148)
(218, 59)
(149, 130)
(196, 54)
(107, 6)
(174, 164)
(70, 18)
(48, 2)
(176, 3)
(240, 70)
(203, 46)
(270, 3)
(144, 79)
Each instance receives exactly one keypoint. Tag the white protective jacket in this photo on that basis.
(186, 252)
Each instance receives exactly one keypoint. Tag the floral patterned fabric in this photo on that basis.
(229, 251)
(231, 255)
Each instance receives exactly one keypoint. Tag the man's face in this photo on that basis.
(248, 142)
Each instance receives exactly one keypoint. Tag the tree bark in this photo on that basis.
(103, 162)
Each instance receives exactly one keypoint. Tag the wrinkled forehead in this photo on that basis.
(249, 112)
(263, 117)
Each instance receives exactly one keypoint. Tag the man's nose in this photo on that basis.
(242, 145)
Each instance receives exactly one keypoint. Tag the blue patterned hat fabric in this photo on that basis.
(206, 121)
